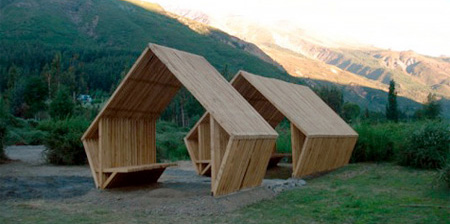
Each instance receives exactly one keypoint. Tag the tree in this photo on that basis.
(226, 73)
(13, 76)
(35, 95)
(62, 106)
(333, 97)
(350, 111)
(17, 104)
(366, 113)
(430, 110)
(55, 72)
(391, 107)
(46, 72)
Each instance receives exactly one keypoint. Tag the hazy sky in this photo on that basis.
(420, 25)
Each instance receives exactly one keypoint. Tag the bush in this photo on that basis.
(63, 144)
(284, 138)
(169, 142)
(427, 147)
(3, 132)
(25, 136)
(374, 144)
(444, 175)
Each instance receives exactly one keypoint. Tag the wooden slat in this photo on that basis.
(127, 142)
(321, 154)
(203, 161)
(258, 163)
(219, 142)
(128, 169)
(300, 105)
(92, 152)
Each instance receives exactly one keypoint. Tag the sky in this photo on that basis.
(419, 25)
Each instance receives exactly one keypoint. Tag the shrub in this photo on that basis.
(374, 144)
(284, 138)
(427, 147)
(3, 132)
(63, 144)
(169, 142)
(444, 175)
(25, 136)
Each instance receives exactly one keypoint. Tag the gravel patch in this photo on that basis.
(179, 191)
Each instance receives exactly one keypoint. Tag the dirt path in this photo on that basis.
(179, 190)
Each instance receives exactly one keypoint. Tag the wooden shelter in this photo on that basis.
(321, 140)
(120, 143)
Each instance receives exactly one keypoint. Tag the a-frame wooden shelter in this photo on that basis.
(120, 143)
(321, 140)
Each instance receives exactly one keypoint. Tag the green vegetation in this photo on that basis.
(2, 140)
(62, 105)
(333, 96)
(427, 147)
(284, 138)
(169, 142)
(430, 110)
(374, 143)
(3, 131)
(63, 145)
(359, 193)
(444, 175)
(422, 144)
(391, 107)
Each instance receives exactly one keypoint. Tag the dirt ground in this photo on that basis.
(179, 190)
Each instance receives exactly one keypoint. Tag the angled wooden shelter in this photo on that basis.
(120, 142)
(321, 140)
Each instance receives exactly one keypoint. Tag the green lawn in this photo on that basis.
(358, 193)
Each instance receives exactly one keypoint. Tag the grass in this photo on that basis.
(358, 193)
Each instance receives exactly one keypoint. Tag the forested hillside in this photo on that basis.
(87, 46)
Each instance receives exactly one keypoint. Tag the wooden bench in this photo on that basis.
(134, 175)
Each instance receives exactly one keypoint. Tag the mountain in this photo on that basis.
(106, 36)
(309, 55)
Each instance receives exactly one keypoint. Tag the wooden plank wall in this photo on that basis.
(244, 165)
(297, 142)
(219, 142)
(198, 144)
(126, 142)
(92, 152)
(321, 154)
(204, 144)
(192, 147)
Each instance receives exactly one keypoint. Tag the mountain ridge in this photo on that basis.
(416, 75)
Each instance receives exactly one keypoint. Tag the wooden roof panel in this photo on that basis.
(157, 75)
(218, 97)
(301, 106)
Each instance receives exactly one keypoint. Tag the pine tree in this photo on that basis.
(391, 107)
